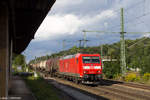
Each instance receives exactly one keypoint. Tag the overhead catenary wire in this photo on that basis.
(136, 18)
(139, 22)
(127, 9)
(132, 7)
(136, 43)
(67, 43)
(145, 14)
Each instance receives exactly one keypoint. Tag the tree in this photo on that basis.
(19, 60)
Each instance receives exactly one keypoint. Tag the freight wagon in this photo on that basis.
(52, 66)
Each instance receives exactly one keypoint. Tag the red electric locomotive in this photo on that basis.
(85, 68)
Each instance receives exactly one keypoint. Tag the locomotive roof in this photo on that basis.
(72, 56)
(68, 56)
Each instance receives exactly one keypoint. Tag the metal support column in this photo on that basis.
(85, 40)
(102, 55)
(122, 49)
(63, 44)
(4, 51)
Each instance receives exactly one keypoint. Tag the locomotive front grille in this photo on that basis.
(92, 77)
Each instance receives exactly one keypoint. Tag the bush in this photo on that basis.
(146, 76)
(111, 69)
(131, 77)
(117, 77)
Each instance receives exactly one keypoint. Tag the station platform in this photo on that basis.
(19, 90)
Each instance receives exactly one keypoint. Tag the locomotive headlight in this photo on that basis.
(98, 71)
(97, 67)
(85, 72)
(86, 67)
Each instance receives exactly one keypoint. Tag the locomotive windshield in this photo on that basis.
(92, 59)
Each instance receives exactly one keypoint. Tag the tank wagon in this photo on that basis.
(52, 66)
(42, 65)
(84, 68)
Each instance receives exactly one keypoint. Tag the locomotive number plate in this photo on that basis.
(91, 72)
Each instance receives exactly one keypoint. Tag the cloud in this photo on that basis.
(102, 16)
(58, 25)
(146, 35)
(78, 6)
(68, 17)
(68, 2)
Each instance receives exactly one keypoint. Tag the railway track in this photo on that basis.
(105, 91)
(109, 89)
(124, 93)
(128, 84)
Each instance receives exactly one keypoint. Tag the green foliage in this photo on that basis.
(42, 90)
(111, 69)
(118, 76)
(74, 50)
(146, 76)
(132, 77)
(19, 60)
(138, 56)
(145, 62)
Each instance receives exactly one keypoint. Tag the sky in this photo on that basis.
(68, 18)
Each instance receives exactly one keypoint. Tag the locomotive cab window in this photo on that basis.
(95, 60)
(92, 59)
(86, 60)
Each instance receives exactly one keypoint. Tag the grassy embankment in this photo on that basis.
(41, 89)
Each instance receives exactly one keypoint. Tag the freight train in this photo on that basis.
(80, 68)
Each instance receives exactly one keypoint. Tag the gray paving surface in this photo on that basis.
(19, 90)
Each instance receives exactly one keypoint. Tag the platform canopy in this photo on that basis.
(25, 16)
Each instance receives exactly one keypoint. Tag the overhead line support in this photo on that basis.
(84, 39)
(122, 49)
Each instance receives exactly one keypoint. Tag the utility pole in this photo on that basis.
(26, 68)
(47, 57)
(63, 44)
(122, 49)
(84, 39)
(80, 43)
(35, 74)
(102, 55)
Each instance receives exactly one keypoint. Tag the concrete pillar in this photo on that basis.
(4, 50)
